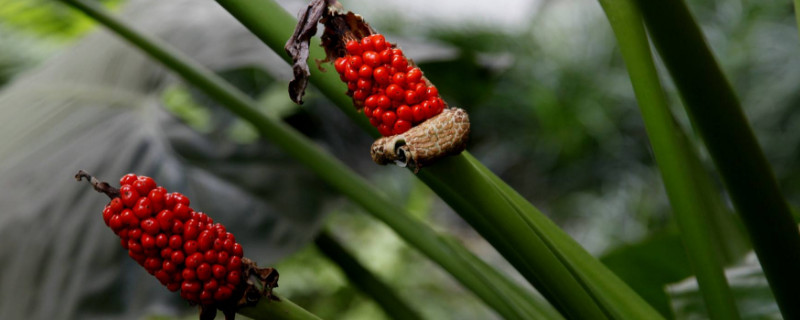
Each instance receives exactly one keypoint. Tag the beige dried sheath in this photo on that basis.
(443, 135)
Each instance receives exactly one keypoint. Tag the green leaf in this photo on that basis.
(716, 113)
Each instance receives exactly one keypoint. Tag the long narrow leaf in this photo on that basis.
(326, 166)
(718, 116)
(363, 279)
(691, 202)
(552, 264)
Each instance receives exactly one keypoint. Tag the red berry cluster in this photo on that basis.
(182, 248)
(393, 94)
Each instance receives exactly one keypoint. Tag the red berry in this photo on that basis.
(116, 205)
(189, 274)
(128, 195)
(219, 271)
(162, 241)
(411, 97)
(222, 257)
(353, 47)
(148, 241)
(211, 285)
(372, 58)
(394, 92)
(419, 113)
(210, 256)
(237, 250)
(177, 257)
(235, 263)
(414, 75)
(399, 63)
(142, 209)
(115, 223)
(381, 75)
(404, 113)
(355, 62)
(175, 242)
(366, 44)
(432, 92)
(127, 179)
(379, 42)
(190, 286)
(389, 118)
(364, 84)
(401, 126)
(135, 233)
(204, 271)
(340, 64)
(399, 79)
(194, 260)
(384, 102)
(386, 56)
(164, 219)
(234, 277)
(150, 226)
(360, 94)
(180, 198)
(107, 214)
(190, 247)
(384, 130)
(223, 294)
(205, 240)
(365, 72)
(351, 74)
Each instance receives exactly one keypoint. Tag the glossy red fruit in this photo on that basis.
(353, 47)
(401, 126)
(340, 64)
(395, 92)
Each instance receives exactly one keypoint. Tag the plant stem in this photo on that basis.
(281, 309)
(327, 167)
(718, 116)
(394, 306)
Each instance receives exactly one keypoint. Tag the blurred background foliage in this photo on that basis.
(552, 111)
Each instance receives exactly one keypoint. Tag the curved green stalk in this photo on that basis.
(687, 185)
(716, 113)
(393, 306)
(280, 309)
(327, 167)
(474, 194)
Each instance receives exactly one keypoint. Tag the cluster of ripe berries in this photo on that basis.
(393, 94)
(184, 249)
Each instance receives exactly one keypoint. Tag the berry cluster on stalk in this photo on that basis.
(184, 249)
(393, 94)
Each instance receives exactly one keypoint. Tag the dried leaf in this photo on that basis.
(297, 46)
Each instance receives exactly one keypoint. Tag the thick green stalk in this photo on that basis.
(281, 309)
(718, 116)
(327, 167)
(691, 203)
(363, 279)
(488, 209)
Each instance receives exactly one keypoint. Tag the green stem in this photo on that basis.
(394, 306)
(718, 116)
(327, 167)
(282, 309)
(680, 168)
